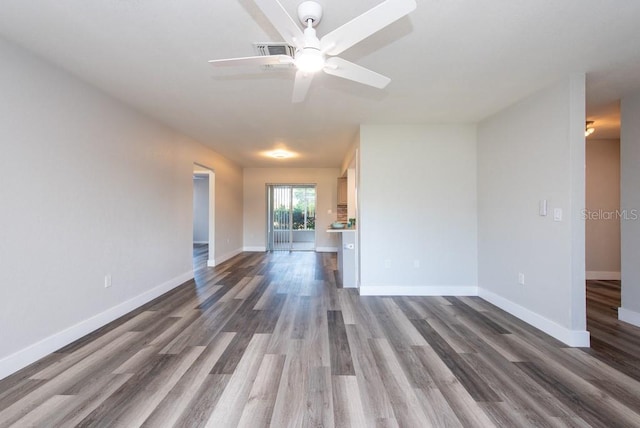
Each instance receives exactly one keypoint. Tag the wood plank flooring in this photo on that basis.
(270, 340)
(612, 341)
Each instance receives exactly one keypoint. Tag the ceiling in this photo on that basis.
(449, 61)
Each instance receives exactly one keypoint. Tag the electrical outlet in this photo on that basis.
(387, 264)
(521, 278)
(107, 281)
(416, 264)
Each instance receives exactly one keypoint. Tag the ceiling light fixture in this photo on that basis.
(313, 54)
(310, 60)
(589, 129)
(280, 154)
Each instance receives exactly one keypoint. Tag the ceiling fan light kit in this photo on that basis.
(309, 60)
(313, 54)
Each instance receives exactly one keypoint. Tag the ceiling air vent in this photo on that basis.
(268, 49)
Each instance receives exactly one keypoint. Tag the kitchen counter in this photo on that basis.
(346, 229)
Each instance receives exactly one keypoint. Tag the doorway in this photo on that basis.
(603, 217)
(291, 217)
(204, 213)
(602, 209)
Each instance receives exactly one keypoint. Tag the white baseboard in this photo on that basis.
(223, 258)
(603, 275)
(418, 290)
(578, 338)
(44, 347)
(326, 249)
(629, 316)
(211, 263)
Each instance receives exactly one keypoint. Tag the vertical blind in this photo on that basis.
(291, 208)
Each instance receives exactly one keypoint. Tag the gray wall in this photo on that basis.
(532, 151)
(90, 187)
(630, 201)
(602, 208)
(417, 208)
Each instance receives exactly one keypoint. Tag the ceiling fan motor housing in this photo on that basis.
(309, 10)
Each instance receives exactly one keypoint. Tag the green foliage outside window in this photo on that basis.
(298, 219)
(304, 210)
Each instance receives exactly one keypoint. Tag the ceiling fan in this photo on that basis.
(314, 54)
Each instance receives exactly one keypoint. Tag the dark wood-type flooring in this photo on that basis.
(268, 339)
(614, 342)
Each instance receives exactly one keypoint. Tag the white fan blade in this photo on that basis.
(301, 86)
(252, 60)
(348, 70)
(282, 21)
(361, 27)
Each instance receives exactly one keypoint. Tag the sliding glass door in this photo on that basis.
(291, 216)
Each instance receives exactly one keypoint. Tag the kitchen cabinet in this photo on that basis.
(342, 191)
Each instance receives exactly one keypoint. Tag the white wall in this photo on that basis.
(201, 209)
(630, 203)
(417, 205)
(255, 202)
(90, 187)
(531, 151)
(602, 209)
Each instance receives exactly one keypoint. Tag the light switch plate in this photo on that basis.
(543, 207)
(557, 214)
